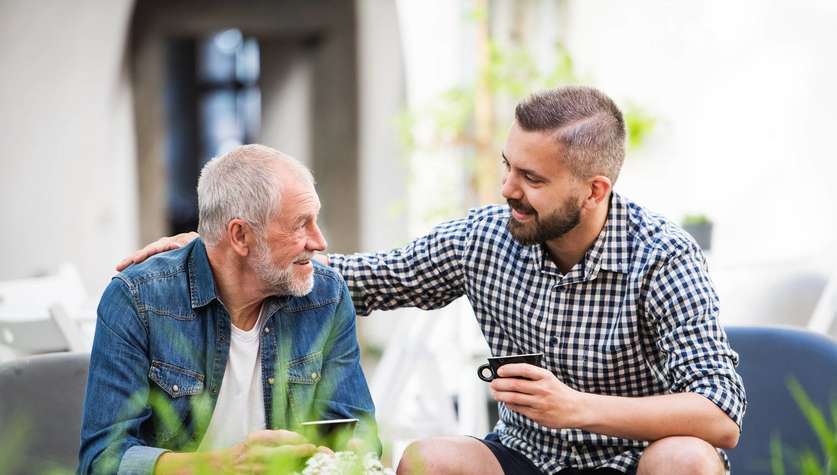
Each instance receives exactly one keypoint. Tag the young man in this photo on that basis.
(637, 375)
(224, 344)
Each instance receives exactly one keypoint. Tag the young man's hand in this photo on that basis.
(161, 245)
(537, 394)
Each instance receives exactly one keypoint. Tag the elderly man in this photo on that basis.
(637, 376)
(202, 355)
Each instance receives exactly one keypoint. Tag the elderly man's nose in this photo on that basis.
(317, 241)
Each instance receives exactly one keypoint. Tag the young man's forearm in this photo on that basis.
(655, 417)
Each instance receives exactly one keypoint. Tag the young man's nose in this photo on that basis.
(509, 188)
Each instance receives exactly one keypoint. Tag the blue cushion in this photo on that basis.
(769, 357)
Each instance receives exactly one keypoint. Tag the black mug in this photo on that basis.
(495, 362)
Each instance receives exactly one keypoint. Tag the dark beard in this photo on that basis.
(551, 227)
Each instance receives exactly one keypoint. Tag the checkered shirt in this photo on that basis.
(636, 317)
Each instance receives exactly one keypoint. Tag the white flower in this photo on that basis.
(345, 463)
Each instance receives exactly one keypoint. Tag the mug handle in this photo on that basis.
(488, 367)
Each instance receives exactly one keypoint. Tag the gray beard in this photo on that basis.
(278, 281)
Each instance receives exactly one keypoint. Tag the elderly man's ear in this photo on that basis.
(241, 237)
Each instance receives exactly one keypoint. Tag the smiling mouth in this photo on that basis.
(520, 215)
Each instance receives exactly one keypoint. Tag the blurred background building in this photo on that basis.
(109, 108)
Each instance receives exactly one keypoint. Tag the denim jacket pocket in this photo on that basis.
(303, 375)
(171, 402)
(177, 382)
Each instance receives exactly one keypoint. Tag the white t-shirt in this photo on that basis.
(239, 409)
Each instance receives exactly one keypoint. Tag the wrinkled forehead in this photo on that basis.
(298, 197)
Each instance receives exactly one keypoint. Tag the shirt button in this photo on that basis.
(270, 381)
(267, 330)
(315, 376)
(175, 389)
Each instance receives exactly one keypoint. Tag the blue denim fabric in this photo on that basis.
(162, 340)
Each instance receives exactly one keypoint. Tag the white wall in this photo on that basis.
(746, 98)
(67, 179)
(383, 167)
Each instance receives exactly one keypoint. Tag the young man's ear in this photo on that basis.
(599, 189)
(239, 236)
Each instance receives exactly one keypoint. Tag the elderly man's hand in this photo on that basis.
(537, 394)
(265, 451)
(161, 245)
(268, 449)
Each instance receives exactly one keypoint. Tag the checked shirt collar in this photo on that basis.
(610, 252)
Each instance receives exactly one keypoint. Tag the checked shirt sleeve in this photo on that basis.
(427, 273)
(685, 306)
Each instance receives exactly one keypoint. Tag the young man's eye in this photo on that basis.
(531, 179)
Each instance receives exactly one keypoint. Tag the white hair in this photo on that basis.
(245, 183)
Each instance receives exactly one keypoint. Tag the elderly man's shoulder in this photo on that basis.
(158, 267)
(327, 279)
(329, 289)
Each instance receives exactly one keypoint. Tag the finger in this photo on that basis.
(516, 385)
(275, 438)
(356, 444)
(521, 370)
(526, 411)
(251, 468)
(185, 238)
(262, 453)
(156, 247)
(516, 399)
(325, 450)
(123, 264)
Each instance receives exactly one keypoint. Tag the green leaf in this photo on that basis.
(777, 466)
(814, 416)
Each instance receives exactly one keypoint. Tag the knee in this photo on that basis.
(422, 457)
(680, 455)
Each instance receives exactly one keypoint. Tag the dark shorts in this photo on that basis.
(515, 463)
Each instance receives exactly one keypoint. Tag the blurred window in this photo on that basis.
(213, 104)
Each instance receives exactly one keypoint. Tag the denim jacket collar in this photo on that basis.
(201, 283)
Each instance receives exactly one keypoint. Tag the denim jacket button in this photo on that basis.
(175, 388)
(270, 381)
(267, 330)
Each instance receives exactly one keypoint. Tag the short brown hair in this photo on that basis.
(585, 121)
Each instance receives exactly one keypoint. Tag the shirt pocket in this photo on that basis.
(303, 375)
(171, 398)
(608, 369)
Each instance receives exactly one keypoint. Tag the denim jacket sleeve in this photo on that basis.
(116, 402)
(343, 392)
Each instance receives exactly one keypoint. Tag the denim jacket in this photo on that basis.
(161, 348)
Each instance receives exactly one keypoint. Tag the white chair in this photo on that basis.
(430, 360)
(824, 318)
(40, 314)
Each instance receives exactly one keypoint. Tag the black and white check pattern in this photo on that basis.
(637, 317)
